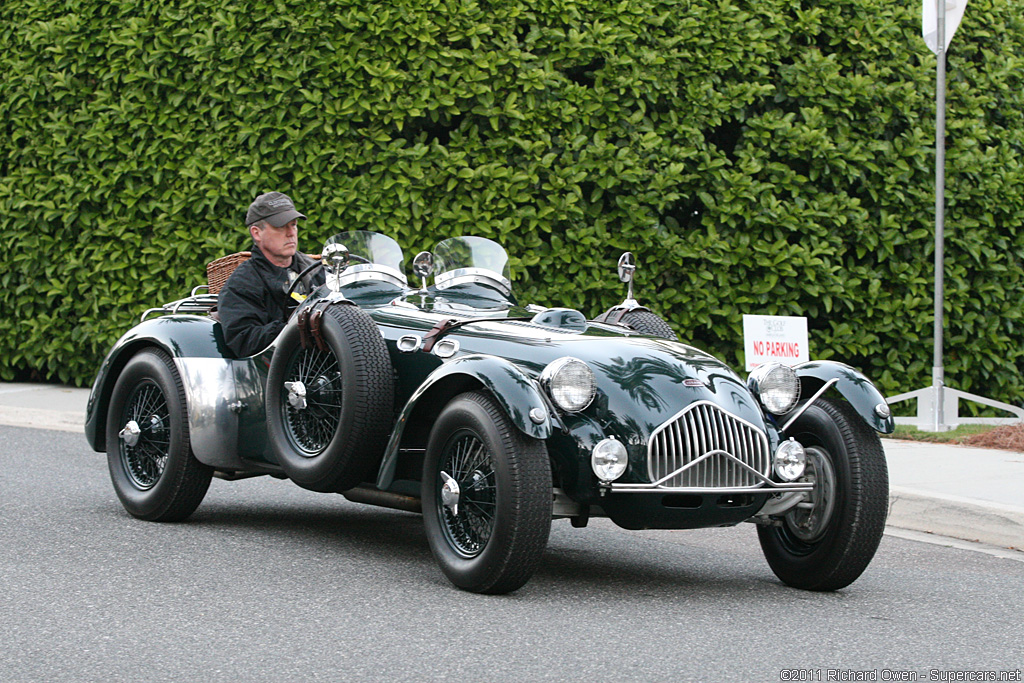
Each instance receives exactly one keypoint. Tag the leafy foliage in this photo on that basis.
(772, 157)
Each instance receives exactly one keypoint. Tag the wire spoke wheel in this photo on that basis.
(828, 540)
(145, 460)
(468, 524)
(149, 452)
(486, 496)
(330, 406)
(808, 521)
(313, 421)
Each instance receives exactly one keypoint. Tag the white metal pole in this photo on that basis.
(938, 373)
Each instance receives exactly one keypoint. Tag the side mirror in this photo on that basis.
(627, 267)
(335, 258)
(423, 265)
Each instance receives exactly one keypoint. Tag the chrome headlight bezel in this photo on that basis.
(775, 386)
(789, 460)
(566, 376)
(609, 459)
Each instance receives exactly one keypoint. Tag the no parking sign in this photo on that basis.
(775, 338)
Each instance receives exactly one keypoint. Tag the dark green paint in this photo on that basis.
(181, 336)
(853, 385)
(642, 382)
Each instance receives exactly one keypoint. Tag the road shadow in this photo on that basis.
(604, 562)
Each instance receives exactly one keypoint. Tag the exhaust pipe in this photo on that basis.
(384, 499)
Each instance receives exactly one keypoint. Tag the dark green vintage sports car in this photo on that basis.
(493, 418)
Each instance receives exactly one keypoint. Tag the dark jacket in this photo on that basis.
(252, 305)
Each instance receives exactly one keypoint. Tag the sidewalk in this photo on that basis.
(973, 494)
(43, 406)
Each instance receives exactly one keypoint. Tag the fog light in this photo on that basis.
(790, 460)
(609, 460)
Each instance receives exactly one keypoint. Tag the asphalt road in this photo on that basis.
(268, 582)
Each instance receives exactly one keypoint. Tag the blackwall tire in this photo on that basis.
(646, 322)
(334, 440)
(149, 454)
(492, 537)
(827, 546)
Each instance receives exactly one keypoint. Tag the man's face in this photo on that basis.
(278, 244)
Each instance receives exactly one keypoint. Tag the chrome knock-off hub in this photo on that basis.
(130, 434)
(296, 395)
(450, 493)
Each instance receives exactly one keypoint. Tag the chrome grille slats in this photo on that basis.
(699, 448)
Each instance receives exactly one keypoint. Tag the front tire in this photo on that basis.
(829, 541)
(486, 497)
(149, 454)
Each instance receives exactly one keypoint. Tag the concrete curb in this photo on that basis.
(992, 523)
(36, 418)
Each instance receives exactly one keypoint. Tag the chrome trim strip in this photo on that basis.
(807, 405)
(367, 272)
(482, 275)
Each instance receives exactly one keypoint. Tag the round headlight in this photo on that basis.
(609, 460)
(776, 386)
(790, 460)
(570, 383)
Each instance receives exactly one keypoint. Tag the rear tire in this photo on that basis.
(827, 545)
(149, 454)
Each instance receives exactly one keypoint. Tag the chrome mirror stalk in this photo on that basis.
(627, 268)
(422, 265)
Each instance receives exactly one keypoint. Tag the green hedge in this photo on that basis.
(771, 157)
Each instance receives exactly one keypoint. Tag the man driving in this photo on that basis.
(253, 305)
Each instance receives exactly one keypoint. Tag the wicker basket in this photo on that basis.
(218, 272)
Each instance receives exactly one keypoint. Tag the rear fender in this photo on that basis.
(856, 388)
(182, 337)
(504, 381)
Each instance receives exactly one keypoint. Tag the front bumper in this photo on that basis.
(769, 487)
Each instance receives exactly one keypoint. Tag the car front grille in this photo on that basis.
(715, 444)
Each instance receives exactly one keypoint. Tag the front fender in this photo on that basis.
(180, 336)
(506, 382)
(854, 387)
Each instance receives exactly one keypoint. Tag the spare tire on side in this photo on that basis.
(329, 411)
(643, 321)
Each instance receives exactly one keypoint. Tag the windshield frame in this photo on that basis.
(470, 273)
(389, 273)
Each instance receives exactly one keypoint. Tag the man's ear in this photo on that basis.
(254, 232)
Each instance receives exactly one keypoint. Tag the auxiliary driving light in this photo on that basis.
(790, 460)
(609, 459)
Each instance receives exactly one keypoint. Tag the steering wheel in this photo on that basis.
(313, 266)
